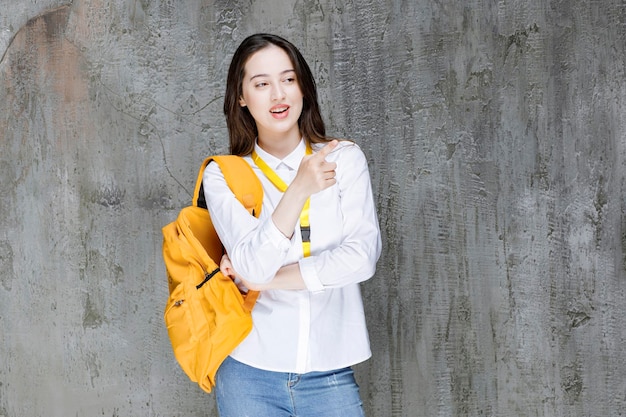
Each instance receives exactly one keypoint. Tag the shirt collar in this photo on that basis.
(292, 161)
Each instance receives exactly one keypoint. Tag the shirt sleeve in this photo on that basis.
(354, 259)
(256, 247)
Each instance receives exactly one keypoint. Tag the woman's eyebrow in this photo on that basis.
(267, 75)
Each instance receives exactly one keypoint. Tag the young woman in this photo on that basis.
(316, 239)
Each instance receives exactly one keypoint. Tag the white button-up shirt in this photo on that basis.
(323, 327)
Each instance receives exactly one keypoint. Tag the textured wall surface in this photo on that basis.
(496, 135)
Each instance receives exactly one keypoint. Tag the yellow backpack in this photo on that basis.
(206, 315)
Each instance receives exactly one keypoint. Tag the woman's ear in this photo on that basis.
(242, 102)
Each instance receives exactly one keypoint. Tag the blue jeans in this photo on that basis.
(242, 390)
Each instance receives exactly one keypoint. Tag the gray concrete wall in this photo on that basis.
(496, 135)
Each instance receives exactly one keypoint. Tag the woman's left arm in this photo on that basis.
(354, 259)
(287, 278)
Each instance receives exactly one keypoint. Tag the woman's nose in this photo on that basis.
(278, 93)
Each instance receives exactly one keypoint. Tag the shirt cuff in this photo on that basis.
(309, 275)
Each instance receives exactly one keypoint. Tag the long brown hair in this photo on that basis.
(242, 130)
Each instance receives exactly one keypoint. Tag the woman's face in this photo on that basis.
(272, 94)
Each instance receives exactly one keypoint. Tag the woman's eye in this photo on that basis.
(290, 80)
(259, 85)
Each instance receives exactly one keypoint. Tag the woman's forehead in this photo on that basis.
(268, 61)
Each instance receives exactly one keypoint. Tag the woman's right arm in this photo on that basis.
(257, 247)
(314, 175)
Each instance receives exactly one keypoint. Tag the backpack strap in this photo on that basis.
(240, 178)
(246, 186)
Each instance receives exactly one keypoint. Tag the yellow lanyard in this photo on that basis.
(305, 226)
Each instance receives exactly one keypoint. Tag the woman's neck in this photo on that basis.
(279, 147)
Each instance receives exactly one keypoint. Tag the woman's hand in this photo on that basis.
(315, 173)
(287, 278)
(227, 269)
(244, 285)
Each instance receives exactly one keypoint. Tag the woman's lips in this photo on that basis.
(279, 111)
